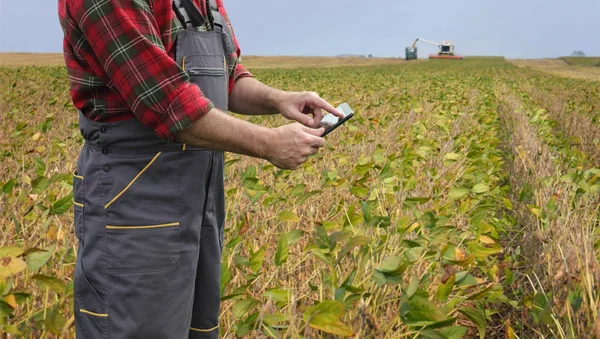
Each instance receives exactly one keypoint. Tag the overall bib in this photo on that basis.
(149, 215)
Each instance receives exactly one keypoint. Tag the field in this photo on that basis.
(582, 61)
(578, 69)
(462, 200)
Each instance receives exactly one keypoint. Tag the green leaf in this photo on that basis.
(36, 259)
(277, 295)
(455, 332)
(243, 307)
(55, 321)
(8, 186)
(353, 243)
(257, 259)
(452, 156)
(359, 191)
(11, 251)
(412, 287)
(288, 216)
(274, 319)
(326, 317)
(477, 317)
(411, 203)
(294, 236)
(50, 282)
(283, 247)
(297, 190)
(457, 193)
(40, 166)
(308, 195)
(272, 200)
(332, 307)
(575, 298)
(39, 185)
(61, 206)
(21, 297)
(392, 266)
(481, 188)
(419, 311)
(271, 332)
(444, 290)
(483, 251)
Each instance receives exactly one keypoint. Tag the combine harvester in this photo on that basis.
(446, 51)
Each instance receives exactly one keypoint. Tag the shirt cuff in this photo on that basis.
(188, 107)
(241, 72)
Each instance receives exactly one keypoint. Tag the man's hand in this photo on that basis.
(304, 107)
(293, 144)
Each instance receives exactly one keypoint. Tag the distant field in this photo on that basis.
(561, 67)
(31, 59)
(56, 59)
(582, 61)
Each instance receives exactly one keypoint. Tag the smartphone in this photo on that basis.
(330, 122)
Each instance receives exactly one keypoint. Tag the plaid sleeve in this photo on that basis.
(126, 48)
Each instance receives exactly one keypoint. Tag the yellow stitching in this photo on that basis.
(184, 146)
(143, 226)
(183, 64)
(132, 181)
(77, 176)
(204, 331)
(103, 315)
(77, 204)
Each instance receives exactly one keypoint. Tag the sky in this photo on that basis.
(383, 28)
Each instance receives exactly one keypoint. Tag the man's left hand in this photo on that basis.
(305, 107)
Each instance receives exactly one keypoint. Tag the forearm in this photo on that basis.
(252, 97)
(219, 131)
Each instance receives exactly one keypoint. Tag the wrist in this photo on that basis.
(275, 98)
(265, 142)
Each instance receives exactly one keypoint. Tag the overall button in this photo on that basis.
(103, 129)
(106, 151)
(107, 168)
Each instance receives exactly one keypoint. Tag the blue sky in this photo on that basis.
(515, 29)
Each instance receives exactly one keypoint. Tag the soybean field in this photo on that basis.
(461, 201)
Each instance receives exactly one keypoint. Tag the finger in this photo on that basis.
(313, 131)
(314, 137)
(302, 118)
(321, 103)
(314, 150)
(317, 117)
(316, 141)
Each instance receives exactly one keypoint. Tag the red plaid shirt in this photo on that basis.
(120, 59)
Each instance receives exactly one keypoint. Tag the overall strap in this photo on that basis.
(215, 16)
(189, 15)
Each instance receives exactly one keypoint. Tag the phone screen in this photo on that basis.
(330, 122)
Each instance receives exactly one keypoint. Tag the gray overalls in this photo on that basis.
(149, 215)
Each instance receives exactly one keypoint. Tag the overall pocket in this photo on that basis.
(142, 212)
(142, 248)
(209, 73)
(78, 207)
(92, 316)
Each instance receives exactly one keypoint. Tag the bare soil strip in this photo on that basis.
(556, 239)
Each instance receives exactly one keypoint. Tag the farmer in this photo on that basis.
(149, 202)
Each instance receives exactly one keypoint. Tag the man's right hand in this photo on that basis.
(293, 144)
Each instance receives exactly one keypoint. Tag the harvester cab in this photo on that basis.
(445, 50)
